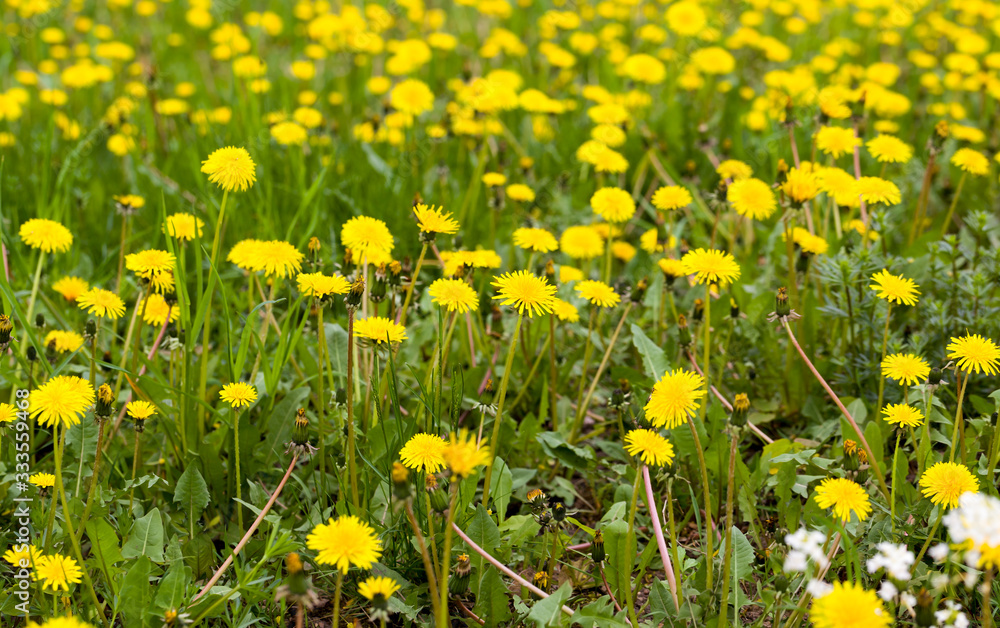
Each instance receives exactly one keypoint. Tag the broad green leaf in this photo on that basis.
(104, 542)
(483, 533)
(136, 593)
(653, 358)
(621, 557)
(548, 612)
(501, 486)
(171, 592)
(192, 492)
(600, 614)
(146, 538)
(492, 603)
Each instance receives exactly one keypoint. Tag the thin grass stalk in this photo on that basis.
(707, 498)
(956, 436)
(425, 557)
(581, 409)
(631, 544)
(442, 609)
(206, 336)
(954, 203)
(730, 495)
(885, 343)
(409, 288)
(495, 441)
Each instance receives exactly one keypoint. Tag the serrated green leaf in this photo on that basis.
(146, 538)
(493, 600)
(548, 612)
(192, 492)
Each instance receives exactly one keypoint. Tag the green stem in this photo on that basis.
(351, 464)
(210, 290)
(705, 366)
(322, 401)
(495, 441)
(336, 598)
(727, 560)
(239, 479)
(442, 616)
(707, 496)
(958, 418)
(633, 543)
(581, 410)
(93, 477)
(954, 203)
(31, 300)
(885, 343)
(413, 281)
(892, 495)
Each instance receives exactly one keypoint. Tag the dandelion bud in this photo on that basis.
(439, 500)
(741, 408)
(340, 397)
(934, 377)
(378, 289)
(6, 331)
(558, 511)
(781, 306)
(541, 580)
(314, 245)
(699, 310)
(395, 276)
(459, 582)
(489, 386)
(90, 328)
(550, 271)
(536, 498)
(31, 354)
(526, 163)
(639, 291)
(300, 445)
(400, 481)
(297, 588)
(40, 321)
(105, 402)
(683, 333)
(619, 400)
(734, 309)
(597, 548)
(781, 584)
(357, 292)
(925, 609)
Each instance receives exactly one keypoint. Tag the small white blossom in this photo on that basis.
(895, 559)
(796, 562)
(908, 600)
(818, 588)
(887, 591)
(951, 616)
(939, 552)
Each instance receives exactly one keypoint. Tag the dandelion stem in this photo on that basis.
(409, 288)
(707, 495)
(351, 464)
(836, 400)
(632, 543)
(661, 544)
(495, 441)
(706, 367)
(93, 477)
(885, 343)
(431, 575)
(239, 480)
(892, 497)
(581, 409)
(958, 433)
(135, 469)
(336, 597)
(587, 349)
(31, 300)
(553, 373)
(442, 608)
(209, 291)
(954, 203)
(728, 559)
(321, 409)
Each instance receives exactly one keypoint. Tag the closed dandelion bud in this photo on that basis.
(851, 462)
(50, 352)
(459, 582)
(597, 548)
(683, 333)
(734, 309)
(105, 406)
(781, 584)
(489, 386)
(559, 511)
(639, 291)
(90, 328)
(314, 245)
(348, 260)
(741, 409)
(300, 445)
(439, 500)
(550, 271)
(699, 310)
(395, 276)
(297, 587)
(31, 354)
(357, 292)
(934, 377)
(378, 288)
(690, 167)
(618, 400)
(6, 331)
(536, 498)
(782, 172)
(340, 397)
(925, 609)
(781, 306)
(400, 481)
(40, 321)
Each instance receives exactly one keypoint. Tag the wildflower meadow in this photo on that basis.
(596, 313)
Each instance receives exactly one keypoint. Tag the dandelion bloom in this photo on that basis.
(525, 291)
(905, 368)
(800, 185)
(244, 255)
(71, 287)
(874, 190)
(565, 311)
(64, 399)
(569, 274)
(344, 542)
(752, 198)
(463, 456)
(711, 266)
(836, 141)
(238, 394)
(230, 168)
(650, 446)
(453, 294)
(101, 303)
(43, 480)
(889, 149)
(432, 219)
(289, 133)
(734, 169)
(494, 179)
(975, 354)
(22, 558)
(153, 265)
(8, 413)
(140, 410)
(520, 192)
(379, 330)
(598, 293)
(378, 587)
(674, 397)
(844, 497)
(63, 341)
(895, 288)
(155, 310)
(275, 258)
(411, 97)
(849, 605)
(613, 204)
(57, 572)
(184, 226)
(581, 242)
(533, 239)
(319, 285)
(672, 267)
(903, 415)
(971, 161)
(424, 452)
(367, 237)
(46, 235)
(944, 482)
(671, 197)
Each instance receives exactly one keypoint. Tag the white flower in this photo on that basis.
(887, 591)
(951, 616)
(939, 552)
(976, 519)
(796, 562)
(818, 588)
(809, 543)
(908, 600)
(895, 559)
(971, 577)
(939, 581)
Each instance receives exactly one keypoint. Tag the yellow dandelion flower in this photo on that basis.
(565, 311)
(672, 267)
(874, 190)
(975, 354)
(412, 97)
(836, 141)
(381, 587)
(453, 294)
(64, 399)
(711, 266)
(905, 368)
(734, 170)
(63, 341)
(46, 235)
(22, 556)
(57, 572)
(971, 161)
(463, 456)
(944, 482)
(494, 179)
(230, 168)
(650, 446)
(432, 219)
(520, 192)
(752, 198)
(43, 480)
(71, 287)
(8, 413)
(844, 497)
(534, 239)
(889, 149)
(184, 226)
(275, 258)
(674, 397)
(101, 303)
(238, 394)
(319, 285)
(671, 197)
(569, 274)
(153, 265)
(345, 542)
(598, 293)
(849, 605)
(800, 185)
(155, 310)
(424, 452)
(140, 410)
(903, 415)
(613, 204)
(367, 237)
(580, 242)
(895, 288)
(379, 329)
(525, 291)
